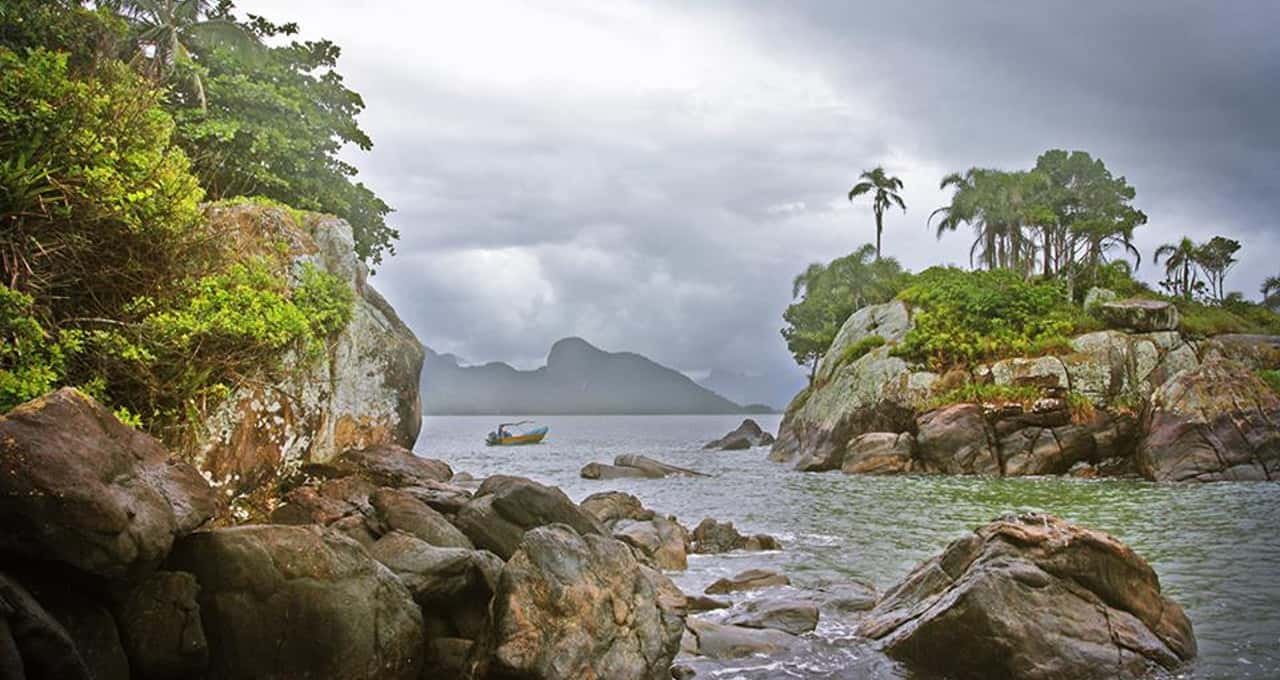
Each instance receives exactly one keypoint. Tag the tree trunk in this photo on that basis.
(813, 370)
(879, 228)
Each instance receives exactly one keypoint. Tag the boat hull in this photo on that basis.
(534, 437)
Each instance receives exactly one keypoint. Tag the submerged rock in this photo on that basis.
(573, 606)
(747, 435)
(789, 615)
(1033, 597)
(751, 579)
(1216, 422)
(292, 601)
(713, 536)
(630, 465)
(79, 487)
(721, 641)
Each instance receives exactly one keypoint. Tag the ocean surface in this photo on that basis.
(1216, 547)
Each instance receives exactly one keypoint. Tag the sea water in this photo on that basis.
(1216, 547)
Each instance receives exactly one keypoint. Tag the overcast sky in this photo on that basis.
(651, 175)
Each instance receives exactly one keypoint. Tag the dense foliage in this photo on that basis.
(1063, 217)
(113, 280)
(962, 318)
(274, 125)
(829, 293)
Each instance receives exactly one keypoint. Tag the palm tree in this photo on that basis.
(1179, 266)
(886, 194)
(1271, 292)
(1000, 206)
(171, 27)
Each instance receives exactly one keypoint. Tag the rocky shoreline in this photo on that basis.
(380, 564)
(1138, 400)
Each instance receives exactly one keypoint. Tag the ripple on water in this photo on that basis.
(1214, 546)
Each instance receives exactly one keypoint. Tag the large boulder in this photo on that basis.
(504, 507)
(1044, 450)
(1216, 422)
(363, 392)
(160, 627)
(745, 436)
(1033, 597)
(294, 601)
(573, 606)
(1140, 315)
(79, 487)
(659, 541)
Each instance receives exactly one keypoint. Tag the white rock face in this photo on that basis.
(363, 391)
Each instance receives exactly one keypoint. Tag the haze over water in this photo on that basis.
(1213, 545)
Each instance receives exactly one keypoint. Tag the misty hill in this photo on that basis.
(774, 389)
(578, 379)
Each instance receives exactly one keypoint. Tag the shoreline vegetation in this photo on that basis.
(207, 414)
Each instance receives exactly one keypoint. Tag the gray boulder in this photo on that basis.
(720, 641)
(401, 510)
(294, 601)
(573, 606)
(504, 507)
(713, 536)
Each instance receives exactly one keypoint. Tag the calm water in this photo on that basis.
(1214, 546)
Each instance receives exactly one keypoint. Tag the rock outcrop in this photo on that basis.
(575, 606)
(632, 465)
(363, 393)
(1143, 401)
(1033, 597)
(505, 507)
(745, 436)
(79, 487)
(721, 641)
(286, 601)
(1141, 315)
(1215, 422)
(789, 615)
(751, 579)
(160, 627)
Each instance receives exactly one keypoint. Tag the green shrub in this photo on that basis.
(962, 318)
(1203, 321)
(985, 393)
(30, 364)
(859, 349)
(1272, 379)
(325, 300)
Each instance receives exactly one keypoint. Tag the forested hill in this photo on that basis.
(579, 378)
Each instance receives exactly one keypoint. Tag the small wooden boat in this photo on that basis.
(513, 434)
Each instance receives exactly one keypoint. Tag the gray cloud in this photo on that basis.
(651, 175)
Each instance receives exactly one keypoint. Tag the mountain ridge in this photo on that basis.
(577, 379)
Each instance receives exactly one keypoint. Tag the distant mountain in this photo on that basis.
(578, 379)
(772, 389)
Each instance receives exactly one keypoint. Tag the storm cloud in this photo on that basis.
(650, 175)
